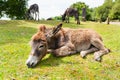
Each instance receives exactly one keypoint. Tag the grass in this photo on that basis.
(14, 51)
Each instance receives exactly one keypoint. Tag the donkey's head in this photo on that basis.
(28, 15)
(39, 45)
(63, 17)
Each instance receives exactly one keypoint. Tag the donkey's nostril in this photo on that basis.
(28, 65)
(32, 64)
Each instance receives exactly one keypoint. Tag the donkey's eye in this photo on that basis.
(41, 46)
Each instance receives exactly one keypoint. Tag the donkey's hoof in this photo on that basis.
(98, 59)
(83, 54)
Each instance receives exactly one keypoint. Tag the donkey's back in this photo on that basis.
(72, 12)
(82, 38)
(71, 41)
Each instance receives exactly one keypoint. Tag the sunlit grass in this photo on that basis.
(14, 50)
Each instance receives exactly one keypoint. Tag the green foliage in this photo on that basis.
(110, 9)
(115, 12)
(93, 14)
(14, 9)
(14, 51)
(79, 6)
(2, 7)
(57, 18)
(102, 12)
(89, 12)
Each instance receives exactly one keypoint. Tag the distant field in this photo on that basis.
(14, 51)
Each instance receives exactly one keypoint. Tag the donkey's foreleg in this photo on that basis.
(35, 16)
(38, 15)
(63, 51)
(84, 53)
(68, 20)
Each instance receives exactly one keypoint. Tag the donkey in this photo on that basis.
(69, 13)
(64, 42)
(33, 10)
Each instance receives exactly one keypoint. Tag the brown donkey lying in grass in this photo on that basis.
(63, 42)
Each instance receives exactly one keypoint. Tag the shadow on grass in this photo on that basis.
(50, 61)
(53, 61)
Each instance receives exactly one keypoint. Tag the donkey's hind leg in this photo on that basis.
(102, 50)
(38, 15)
(84, 53)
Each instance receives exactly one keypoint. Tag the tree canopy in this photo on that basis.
(14, 9)
(79, 6)
(102, 12)
(110, 8)
(2, 7)
(115, 11)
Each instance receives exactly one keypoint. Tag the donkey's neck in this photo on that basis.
(52, 41)
(64, 15)
(56, 41)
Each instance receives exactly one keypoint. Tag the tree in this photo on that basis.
(14, 9)
(79, 6)
(2, 7)
(115, 11)
(93, 14)
(102, 12)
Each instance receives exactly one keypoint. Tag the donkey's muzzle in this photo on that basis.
(32, 61)
(30, 65)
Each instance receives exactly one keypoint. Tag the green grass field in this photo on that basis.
(14, 51)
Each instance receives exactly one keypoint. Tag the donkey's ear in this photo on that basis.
(42, 28)
(57, 28)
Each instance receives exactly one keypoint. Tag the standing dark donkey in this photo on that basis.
(33, 10)
(69, 13)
